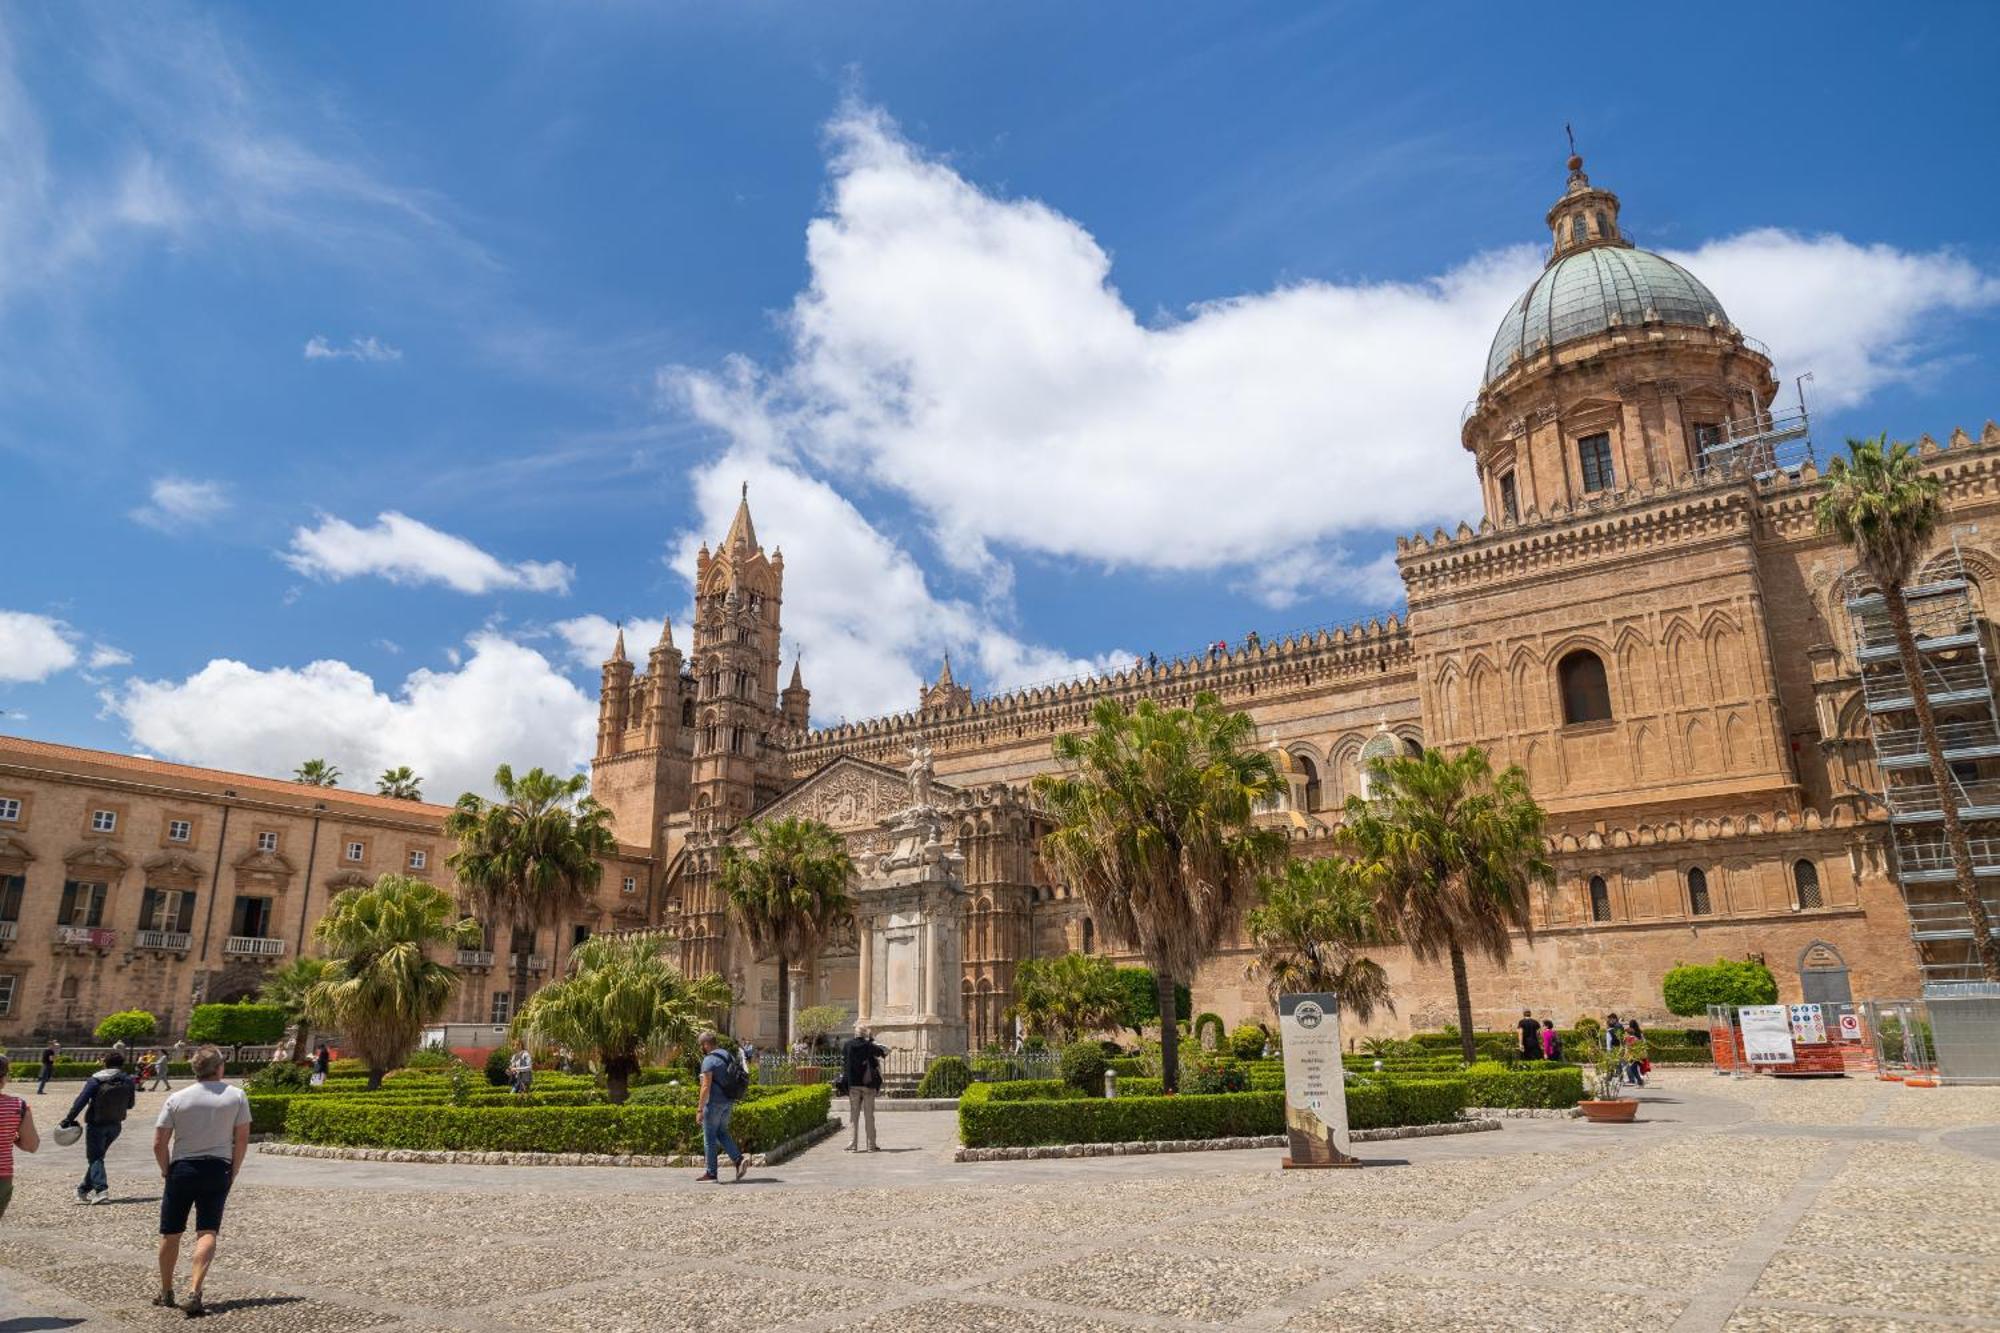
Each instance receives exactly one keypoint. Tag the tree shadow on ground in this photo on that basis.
(36, 1324)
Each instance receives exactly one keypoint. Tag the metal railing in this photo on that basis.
(1957, 739)
(253, 946)
(475, 958)
(1947, 920)
(1930, 858)
(173, 941)
(536, 962)
(1918, 800)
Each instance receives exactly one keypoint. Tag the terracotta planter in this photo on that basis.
(1616, 1112)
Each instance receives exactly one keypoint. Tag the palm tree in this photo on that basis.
(1154, 826)
(1068, 995)
(1458, 846)
(530, 856)
(381, 987)
(622, 1003)
(317, 773)
(288, 987)
(1880, 501)
(401, 784)
(1315, 918)
(787, 889)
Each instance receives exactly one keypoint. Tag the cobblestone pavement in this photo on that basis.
(1844, 1205)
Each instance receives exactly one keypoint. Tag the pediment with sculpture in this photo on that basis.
(851, 795)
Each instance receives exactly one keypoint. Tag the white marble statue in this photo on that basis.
(920, 771)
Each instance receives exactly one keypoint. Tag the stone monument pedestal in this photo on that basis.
(910, 911)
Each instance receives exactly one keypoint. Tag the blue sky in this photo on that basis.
(1043, 334)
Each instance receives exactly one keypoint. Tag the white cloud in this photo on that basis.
(588, 639)
(369, 348)
(34, 647)
(1859, 317)
(859, 606)
(970, 353)
(403, 550)
(506, 703)
(103, 655)
(178, 502)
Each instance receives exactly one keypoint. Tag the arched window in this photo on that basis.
(1310, 772)
(1089, 936)
(1576, 229)
(1586, 694)
(687, 712)
(1600, 899)
(1603, 225)
(1698, 903)
(1805, 880)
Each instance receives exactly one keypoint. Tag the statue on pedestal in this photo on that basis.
(920, 772)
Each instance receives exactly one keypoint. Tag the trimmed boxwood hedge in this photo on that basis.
(758, 1124)
(1525, 1085)
(66, 1069)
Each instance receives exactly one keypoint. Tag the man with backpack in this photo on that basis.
(106, 1097)
(724, 1080)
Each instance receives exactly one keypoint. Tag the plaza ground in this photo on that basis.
(1845, 1205)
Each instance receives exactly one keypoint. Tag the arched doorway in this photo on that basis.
(1823, 975)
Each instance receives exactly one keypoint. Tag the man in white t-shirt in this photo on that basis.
(199, 1140)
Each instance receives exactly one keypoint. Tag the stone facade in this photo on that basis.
(130, 883)
(1644, 619)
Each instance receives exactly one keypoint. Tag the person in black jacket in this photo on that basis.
(861, 1070)
(107, 1095)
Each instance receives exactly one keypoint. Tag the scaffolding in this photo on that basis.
(1761, 444)
(1955, 676)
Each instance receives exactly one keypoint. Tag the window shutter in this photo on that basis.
(149, 906)
(186, 921)
(68, 909)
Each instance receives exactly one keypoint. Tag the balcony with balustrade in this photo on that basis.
(256, 948)
(9, 931)
(536, 962)
(163, 941)
(475, 959)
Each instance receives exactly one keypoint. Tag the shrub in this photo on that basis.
(985, 1123)
(365, 1121)
(946, 1077)
(1128, 1066)
(127, 1025)
(1247, 1041)
(1031, 1090)
(1208, 1031)
(496, 1066)
(236, 1024)
(1535, 1085)
(1141, 993)
(1082, 1066)
(1691, 987)
(280, 1075)
(1206, 1075)
(430, 1059)
(1430, 1101)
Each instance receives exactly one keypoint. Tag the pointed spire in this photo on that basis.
(618, 648)
(667, 632)
(797, 682)
(742, 533)
(944, 672)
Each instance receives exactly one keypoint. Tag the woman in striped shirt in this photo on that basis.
(16, 1126)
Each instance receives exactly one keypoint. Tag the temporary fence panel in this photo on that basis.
(1965, 1026)
(1790, 1040)
(1900, 1031)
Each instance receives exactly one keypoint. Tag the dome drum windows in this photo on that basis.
(1586, 693)
(1593, 458)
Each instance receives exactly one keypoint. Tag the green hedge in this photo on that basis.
(1429, 1101)
(985, 1123)
(1546, 1086)
(757, 1125)
(1128, 1066)
(176, 1069)
(1032, 1090)
(946, 1077)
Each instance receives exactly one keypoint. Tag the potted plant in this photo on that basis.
(1608, 1104)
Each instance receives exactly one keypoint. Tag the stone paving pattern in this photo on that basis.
(1741, 1205)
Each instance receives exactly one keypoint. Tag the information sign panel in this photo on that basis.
(1315, 1081)
(1767, 1034)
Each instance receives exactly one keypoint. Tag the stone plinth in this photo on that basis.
(910, 910)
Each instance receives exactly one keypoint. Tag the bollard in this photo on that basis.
(1110, 1084)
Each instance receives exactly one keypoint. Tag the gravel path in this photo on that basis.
(1751, 1205)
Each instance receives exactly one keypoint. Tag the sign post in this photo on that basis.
(1315, 1082)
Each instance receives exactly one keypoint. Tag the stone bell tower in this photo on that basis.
(738, 590)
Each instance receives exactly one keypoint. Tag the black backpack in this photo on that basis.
(732, 1080)
(114, 1097)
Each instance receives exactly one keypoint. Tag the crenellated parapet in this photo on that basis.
(1319, 658)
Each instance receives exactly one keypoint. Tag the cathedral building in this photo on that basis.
(1644, 618)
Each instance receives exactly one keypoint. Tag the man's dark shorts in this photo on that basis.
(198, 1183)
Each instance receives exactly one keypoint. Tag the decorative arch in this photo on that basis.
(1525, 687)
(1686, 664)
(1635, 672)
(1451, 714)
